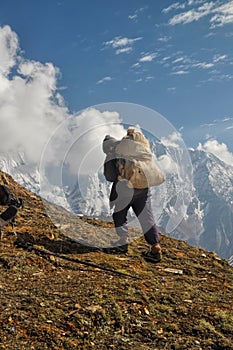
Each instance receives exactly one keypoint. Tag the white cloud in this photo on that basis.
(33, 114)
(137, 13)
(145, 79)
(85, 154)
(180, 72)
(208, 125)
(167, 58)
(226, 119)
(220, 150)
(178, 5)
(124, 50)
(149, 77)
(8, 49)
(203, 65)
(118, 42)
(101, 81)
(122, 44)
(136, 65)
(184, 65)
(218, 58)
(217, 76)
(172, 140)
(195, 2)
(164, 39)
(133, 17)
(179, 59)
(171, 89)
(148, 57)
(224, 15)
(192, 15)
(172, 7)
(220, 15)
(210, 34)
(31, 107)
(225, 77)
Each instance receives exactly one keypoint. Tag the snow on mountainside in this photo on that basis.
(28, 176)
(90, 197)
(208, 221)
(230, 260)
(213, 181)
(14, 164)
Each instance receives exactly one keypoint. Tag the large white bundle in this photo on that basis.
(136, 162)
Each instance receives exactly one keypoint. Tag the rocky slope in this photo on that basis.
(51, 300)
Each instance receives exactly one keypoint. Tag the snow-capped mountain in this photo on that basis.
(14, 164)
(208, 219)
(28, 176)
(212, 204)
(89, 196)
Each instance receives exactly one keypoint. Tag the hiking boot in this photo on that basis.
(154, 255)
(120, 247)
(156, 248)
(123, 249)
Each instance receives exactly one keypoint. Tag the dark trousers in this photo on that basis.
(141, 205)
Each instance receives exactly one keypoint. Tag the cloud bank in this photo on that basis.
(219, 13)
(33, 113)
(30, 105)
(220, 150)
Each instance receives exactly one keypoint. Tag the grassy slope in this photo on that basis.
(52, 303)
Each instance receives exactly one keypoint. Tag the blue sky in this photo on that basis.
(175, 57)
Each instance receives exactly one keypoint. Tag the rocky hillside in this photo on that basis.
(207, 219)
(54, 296)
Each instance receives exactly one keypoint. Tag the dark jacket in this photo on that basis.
(111, 174)
(110, 168)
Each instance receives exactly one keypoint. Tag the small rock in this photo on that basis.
(146, 311)
(176, 271)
